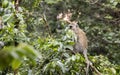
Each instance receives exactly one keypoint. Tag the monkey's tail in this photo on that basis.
(94, 68)
(89, 64)
(87, 68)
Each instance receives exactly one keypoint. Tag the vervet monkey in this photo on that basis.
(81, 43)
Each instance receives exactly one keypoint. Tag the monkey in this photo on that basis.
(81, 43)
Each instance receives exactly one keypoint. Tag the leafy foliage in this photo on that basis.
(15, 56)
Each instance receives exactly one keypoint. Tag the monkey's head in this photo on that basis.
(73, 26)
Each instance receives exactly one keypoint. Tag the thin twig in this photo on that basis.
(46, 23)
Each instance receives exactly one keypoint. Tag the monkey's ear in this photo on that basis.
(75, 22)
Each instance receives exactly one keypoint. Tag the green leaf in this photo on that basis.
(52, 1)
(6, 17)
(113, 70)
(5, 3)
(61, 65)
(16, 64)
(69, 47)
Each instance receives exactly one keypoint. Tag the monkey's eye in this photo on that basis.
(70, 27)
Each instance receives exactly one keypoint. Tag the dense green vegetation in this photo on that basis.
(34, 42)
